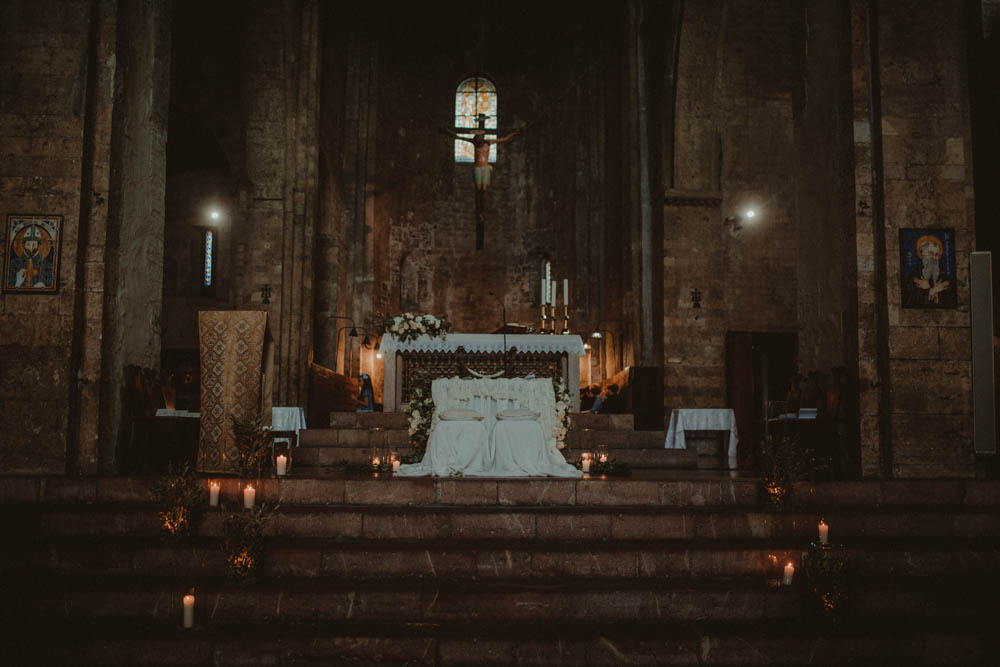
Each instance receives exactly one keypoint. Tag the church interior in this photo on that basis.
(530, 333)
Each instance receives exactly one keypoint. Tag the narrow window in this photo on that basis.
(209, 242)
(475, 97)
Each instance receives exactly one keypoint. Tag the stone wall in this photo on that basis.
(44, 47)
(912, 139)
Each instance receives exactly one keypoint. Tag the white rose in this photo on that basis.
(416, 414)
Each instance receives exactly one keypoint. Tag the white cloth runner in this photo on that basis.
(714, 419)
(525, 343)
(511, 449)
(288, 419)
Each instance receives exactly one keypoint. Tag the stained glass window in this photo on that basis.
(209, 239)
(474, 96)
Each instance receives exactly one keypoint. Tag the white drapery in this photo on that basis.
(525, 448)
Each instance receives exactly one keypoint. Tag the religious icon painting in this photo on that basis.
(33, 251)
(927, 268)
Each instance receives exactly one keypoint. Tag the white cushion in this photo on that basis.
(518, 414)
(460, 415)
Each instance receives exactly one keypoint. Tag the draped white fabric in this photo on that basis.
(511, 448)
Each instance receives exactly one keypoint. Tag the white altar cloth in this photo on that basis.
(714, 419)
(390, 346)
(506, 448)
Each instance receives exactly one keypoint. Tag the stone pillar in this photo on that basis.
(134, 250)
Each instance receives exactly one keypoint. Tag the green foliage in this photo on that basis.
(243, 543)
(181, 497)
(610, 468)
(827, 570)
(253, 441)
(419, 414)
(781, 460)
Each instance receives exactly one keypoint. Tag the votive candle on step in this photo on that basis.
(282, 464)
(824, 532)
(586, 462)
(376, 461)
(213, 494)
(789, 573)
(248, 497)
(395, 465)
(189, 611)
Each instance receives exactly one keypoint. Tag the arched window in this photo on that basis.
(474, 96)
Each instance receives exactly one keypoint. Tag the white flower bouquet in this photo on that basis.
(561, 425)
(407, 326)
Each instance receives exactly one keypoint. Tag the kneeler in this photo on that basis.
(237, 362)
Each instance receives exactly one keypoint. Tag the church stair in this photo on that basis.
(453, 572)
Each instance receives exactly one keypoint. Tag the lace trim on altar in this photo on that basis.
(483, 343)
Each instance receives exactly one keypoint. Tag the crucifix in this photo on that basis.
(481, 170)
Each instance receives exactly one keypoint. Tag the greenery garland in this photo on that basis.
(181, 497)
(243, 543)
(408, 326)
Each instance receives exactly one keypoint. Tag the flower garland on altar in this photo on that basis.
(408, 326)
(561, 424)
(419, 413)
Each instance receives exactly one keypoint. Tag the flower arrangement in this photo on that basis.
(253, 440)
(561, 426)
(781, 460)
(407, 326)
(420, 412)
(243, 544)
(181, 497)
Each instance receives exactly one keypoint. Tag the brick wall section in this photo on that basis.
(43, 47)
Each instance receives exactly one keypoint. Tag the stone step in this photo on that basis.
(350, 420)
(216, 641)
(588, 439)
(643, 458)
(401, 521)
(602, 422)
(488, 560)
(591, 599)
(940, 495)
(331, 457)
(353, 437)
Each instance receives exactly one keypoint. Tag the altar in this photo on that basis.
(514, 355)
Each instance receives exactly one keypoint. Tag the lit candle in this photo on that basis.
(188, 611)
(248, 497)
(565, 291)
(603, 458)
(586, 462)
(395, 465)
(213, 494)
(789, 572)
(282, 464)
(824, 532)
(376, 461)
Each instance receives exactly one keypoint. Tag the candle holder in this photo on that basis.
(553, 329)
(565, 329)
(545, 318)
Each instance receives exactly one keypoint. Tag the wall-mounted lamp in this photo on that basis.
(735, 222)
(265, 294)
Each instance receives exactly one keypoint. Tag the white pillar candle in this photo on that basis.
(248, 497)
(565, 291)
(824, 532)
(282, 464)
(395, 465)
(552, 292)
(188, 611)
(213, 494)
(586, 462)
(789, 573)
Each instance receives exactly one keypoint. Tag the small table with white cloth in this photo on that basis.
(710, 419)
(492, 446)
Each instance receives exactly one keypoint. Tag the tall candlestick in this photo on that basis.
(213, 494)
(824, 532)
(789, 573)
(249, 494)
(281, 463)
(188, 611)
(565, 291)
(545, 292)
